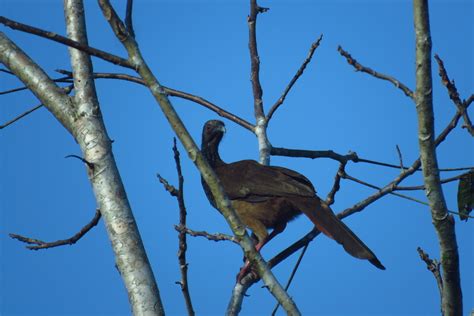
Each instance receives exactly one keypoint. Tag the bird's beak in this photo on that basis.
(222, 128)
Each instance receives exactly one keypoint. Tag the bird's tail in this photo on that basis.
(323, 217)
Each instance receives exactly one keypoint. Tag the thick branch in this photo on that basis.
(70, 241)
(443, 223)
(53, 97)
(195, 155)
(130, 256)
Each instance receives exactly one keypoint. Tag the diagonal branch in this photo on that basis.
(20, 116)
(66, 89)
(454, 95)
(434, 266)
(298, 74)
(70, 241)
(66, 41)
(175, 93)
(374, 73)
(196, 156)
(336, 186)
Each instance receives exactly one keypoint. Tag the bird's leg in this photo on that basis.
(247, 268)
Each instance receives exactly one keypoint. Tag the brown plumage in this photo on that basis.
(269, 197)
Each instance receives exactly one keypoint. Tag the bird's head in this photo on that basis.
(212, 134)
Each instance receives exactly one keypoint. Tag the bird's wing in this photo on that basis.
(247, 179)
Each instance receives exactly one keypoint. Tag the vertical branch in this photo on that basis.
(451, 303)
(128, 18)
(183, 265)
(261, 122)
(130, 255)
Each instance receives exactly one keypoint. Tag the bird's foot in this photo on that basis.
(246, 269)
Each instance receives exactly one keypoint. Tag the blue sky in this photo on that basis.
(201, 47)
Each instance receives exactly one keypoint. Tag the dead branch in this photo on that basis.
(70, 241)
(201, 233)
(434, 266)
(374, 73)
(454, 95)
(298, 74)
(336, 186)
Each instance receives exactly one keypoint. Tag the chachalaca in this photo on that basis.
(269, 197)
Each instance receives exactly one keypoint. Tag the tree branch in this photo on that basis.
(128, 18)
(183, 265)
(201, 233)
(451, 303)
(454, 95)
(298, 74)
(336, 186)
(70, 241)
(175, 93)
(91, 135)
(374, 73)
(66, 41)
(313, 154)
(195, 155)
(264, 146)
(434, 267)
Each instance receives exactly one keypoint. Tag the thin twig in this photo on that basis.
(454, 95)
(374, 73)
(396, 188)
(336, 186)
(298, 74)
(63, 79)
(468, 101)
(21, 116)
(70, 241)
(373, 162)
(66, 41)
(292, 275)
(7, 71)
(175, 93)
(434, 266)
(128, 18)
(201, 233)
(400, 157)
(422, 187)
(67, 89)
(352, 156)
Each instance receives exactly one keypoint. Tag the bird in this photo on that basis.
(268, 197)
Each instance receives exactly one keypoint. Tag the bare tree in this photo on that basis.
(81, 116)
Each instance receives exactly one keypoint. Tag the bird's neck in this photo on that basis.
(212, 155)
